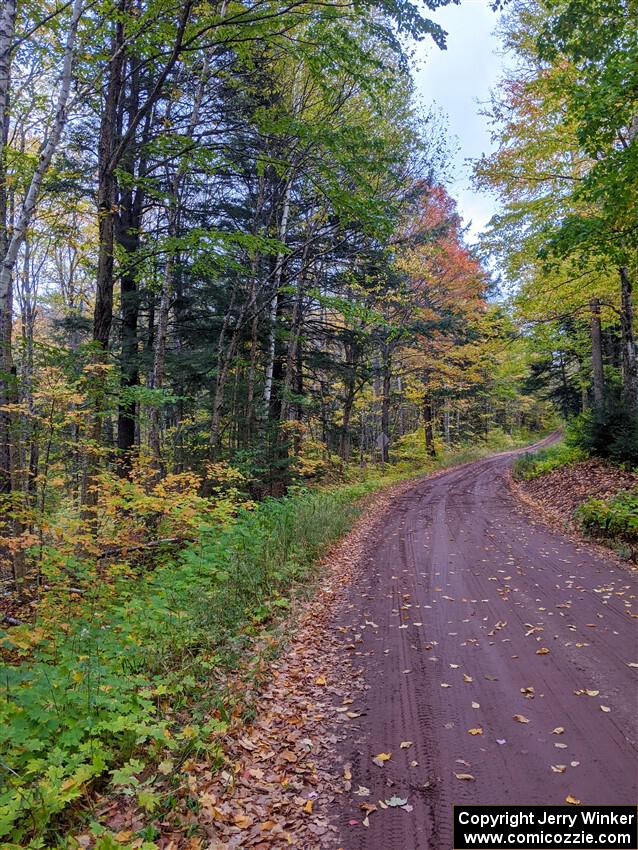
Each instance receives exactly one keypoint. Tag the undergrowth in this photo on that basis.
(106, 674)
(613, 520)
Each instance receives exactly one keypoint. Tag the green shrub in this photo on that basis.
(614, 519)
(610, 431)
(533, 464)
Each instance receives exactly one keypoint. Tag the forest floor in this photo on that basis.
(558, 493)
(458, 650)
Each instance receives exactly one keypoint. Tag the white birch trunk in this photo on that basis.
(274, 301)
(48, 149)
(7, 31)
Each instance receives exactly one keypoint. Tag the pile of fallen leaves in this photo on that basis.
(281, 773)
(558, 493)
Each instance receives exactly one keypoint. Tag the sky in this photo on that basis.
(456, 81)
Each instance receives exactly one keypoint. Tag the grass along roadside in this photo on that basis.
(534, 464)
(111, 686)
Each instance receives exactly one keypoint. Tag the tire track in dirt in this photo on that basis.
(454, 607)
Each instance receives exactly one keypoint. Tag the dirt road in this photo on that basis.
(472, 616)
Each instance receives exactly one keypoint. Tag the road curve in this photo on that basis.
(464, 603)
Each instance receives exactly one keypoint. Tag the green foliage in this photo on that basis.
(533, 464)
(93, 689)
(259, 558)
(614, 519)
(610, 431)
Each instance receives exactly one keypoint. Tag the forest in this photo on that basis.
(236, 295)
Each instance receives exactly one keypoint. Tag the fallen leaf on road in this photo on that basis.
(320, 680)
(605, 708)
(559, 768)
(572, 800)
(362, 791)
(520, 718)
(444, 685)
(475, 731)
(308, 807)
(396, 802)
(561, 746)
(476, 705)
(405, 745)
(542, 651)
(381, 759)
(501, 741)
(558, 730)
(465, 776)
(467, 678)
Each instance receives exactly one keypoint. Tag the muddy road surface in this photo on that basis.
(499, 660)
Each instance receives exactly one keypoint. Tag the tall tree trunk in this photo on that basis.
(130, 377)
(446, 423)
(566, 392)
(11, 246)
(428, 426)
(172, 231)
(598, 376)
(9, 451)
(299, 388)
(159, 361)
(7, 31)
(128, 236)
(106, 211)
(296, 322)
(103, 313)
(385, 403)
(274, 301)
(630, 365)
(251, 413)
(352, 357)
(344, 437)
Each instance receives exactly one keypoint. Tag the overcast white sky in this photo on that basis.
(456, 81)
